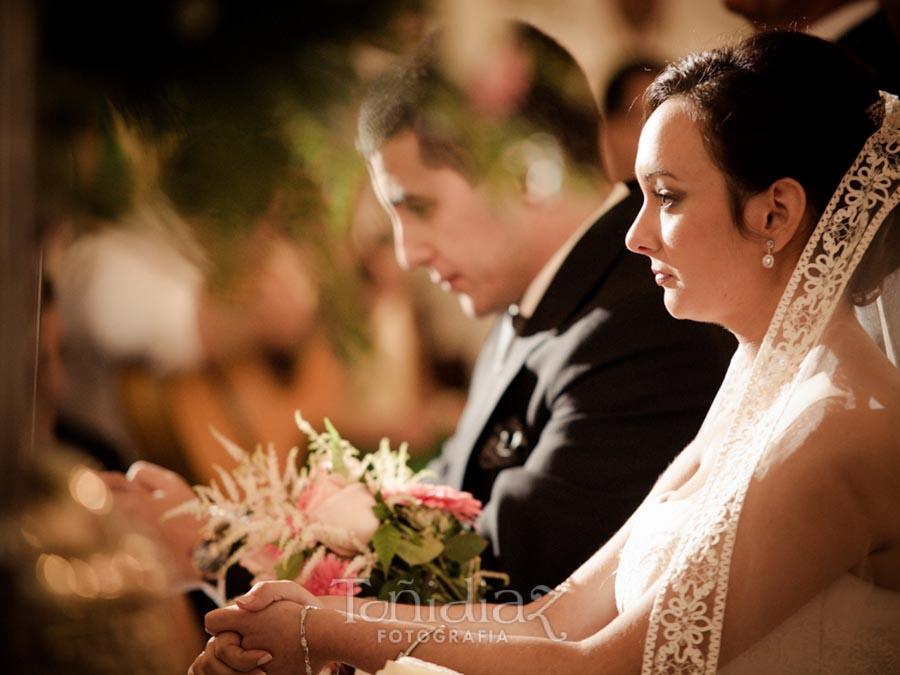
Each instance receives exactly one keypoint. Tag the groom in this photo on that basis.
(586, 388)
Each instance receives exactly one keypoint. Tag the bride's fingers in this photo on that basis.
(265, 593)
(227, 649)
(209, 665)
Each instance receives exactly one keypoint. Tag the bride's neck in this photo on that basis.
(750, 329)
(749, 346)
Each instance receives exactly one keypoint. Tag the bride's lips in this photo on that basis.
(661, 276)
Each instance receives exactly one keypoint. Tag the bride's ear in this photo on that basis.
(777, 213)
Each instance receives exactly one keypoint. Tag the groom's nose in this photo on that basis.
(412, 246)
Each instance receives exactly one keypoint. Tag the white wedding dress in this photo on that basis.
(851, 627)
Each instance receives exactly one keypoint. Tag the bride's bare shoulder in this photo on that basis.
(850, 409)
(835, 436)
(855, 427)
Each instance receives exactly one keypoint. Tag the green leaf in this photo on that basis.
(290, 568)
(337, 448)
(386, 542)
(404, 588)
(382, 511)
(463, 547)
(421, 553)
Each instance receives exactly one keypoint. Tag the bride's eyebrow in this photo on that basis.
(659, 172)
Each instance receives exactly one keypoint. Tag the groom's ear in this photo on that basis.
(778, 213)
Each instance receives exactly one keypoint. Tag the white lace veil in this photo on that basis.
(881, 318)
(688, 615)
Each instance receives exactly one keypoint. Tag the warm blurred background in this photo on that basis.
(189, 240)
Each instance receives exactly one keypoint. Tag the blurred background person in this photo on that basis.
(622, 117)
(140, 294)
(85, 589)
(860, 26)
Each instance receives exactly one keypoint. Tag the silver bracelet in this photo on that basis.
(303, 642)
(423, 635)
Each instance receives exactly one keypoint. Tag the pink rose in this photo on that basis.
(461, 505)
(321, 487)
(345, 511)
(329, 577)
(350, 510)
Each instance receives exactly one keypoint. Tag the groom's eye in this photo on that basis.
(419, 206)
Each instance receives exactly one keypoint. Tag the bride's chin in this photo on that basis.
(675, 307)
(678, 309)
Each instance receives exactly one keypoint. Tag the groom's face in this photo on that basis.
(470, 244)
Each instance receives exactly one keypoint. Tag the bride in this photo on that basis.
(772, 544)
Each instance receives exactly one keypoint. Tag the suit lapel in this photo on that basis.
(585, 267)
(489, 383)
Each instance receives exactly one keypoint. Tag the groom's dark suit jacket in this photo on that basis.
(598, 391)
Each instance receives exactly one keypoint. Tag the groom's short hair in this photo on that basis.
(416, 95)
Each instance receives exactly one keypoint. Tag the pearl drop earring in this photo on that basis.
(768, 260)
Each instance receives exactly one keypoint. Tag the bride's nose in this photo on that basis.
(639, 238)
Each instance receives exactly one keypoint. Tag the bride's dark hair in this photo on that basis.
(777, 105)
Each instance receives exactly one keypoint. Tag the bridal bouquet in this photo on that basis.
(344, 523)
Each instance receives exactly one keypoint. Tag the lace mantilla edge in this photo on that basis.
(687, 618)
